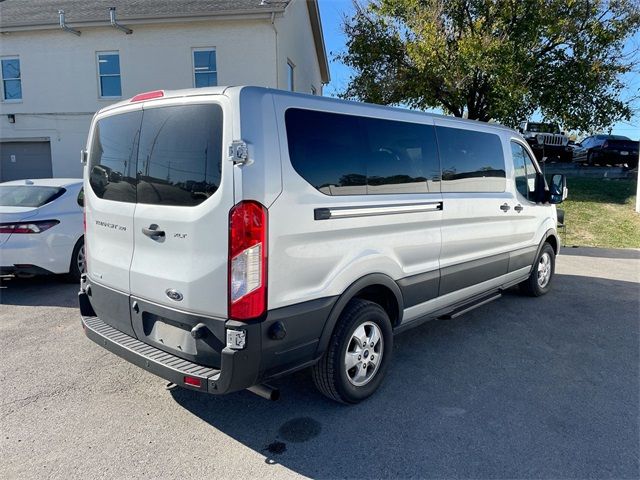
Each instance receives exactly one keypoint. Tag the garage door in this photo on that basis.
(19, 160)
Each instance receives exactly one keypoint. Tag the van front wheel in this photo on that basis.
(539, 282)
(358, 355)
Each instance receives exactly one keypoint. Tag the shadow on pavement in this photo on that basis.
(623, 253)
(521, 388)
(44, 291)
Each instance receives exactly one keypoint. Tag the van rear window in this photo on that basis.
(163, 156)
(114, 151)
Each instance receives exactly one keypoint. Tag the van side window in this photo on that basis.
(350, 155)
(471, 161)
(327, 150)
(402, 157)
(112, 162)
(180, 157)
(525, 172)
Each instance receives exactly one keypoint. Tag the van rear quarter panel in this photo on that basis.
(310, 259)
(261, 177)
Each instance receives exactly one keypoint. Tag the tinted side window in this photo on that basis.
(327, 150)
(112, 166)
(180, 156)
(346, 155)
(402, 157)
(525, 172)
(471, 161)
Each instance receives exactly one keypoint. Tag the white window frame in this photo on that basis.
(2, 79)
(193, 63)
(291, 76)
(108, 52)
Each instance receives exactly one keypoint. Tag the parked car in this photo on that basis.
(607, 150)
(546, 140)
(41, 227)
(274, 231)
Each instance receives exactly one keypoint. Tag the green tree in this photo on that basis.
(495, 59)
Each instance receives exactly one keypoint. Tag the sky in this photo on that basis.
(333, 11)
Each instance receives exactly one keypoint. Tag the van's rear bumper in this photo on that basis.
(238, 369)
(263, 358)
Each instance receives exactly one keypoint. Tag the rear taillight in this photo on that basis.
(28, 227)
(247, 260)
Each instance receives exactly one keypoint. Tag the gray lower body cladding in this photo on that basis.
(158, 338)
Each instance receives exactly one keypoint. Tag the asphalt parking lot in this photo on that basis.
(519, 388)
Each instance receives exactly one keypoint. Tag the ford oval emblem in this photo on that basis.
(174, 294)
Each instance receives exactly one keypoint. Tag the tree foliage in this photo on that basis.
(495, 59)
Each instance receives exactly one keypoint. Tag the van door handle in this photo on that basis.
(518, 208)
(153, 231)
(505, 207)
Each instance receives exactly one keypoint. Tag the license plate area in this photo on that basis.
(170, 330)
(172, 335)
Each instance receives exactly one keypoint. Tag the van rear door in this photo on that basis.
(180, 229)
(110, 202)
(110, 196)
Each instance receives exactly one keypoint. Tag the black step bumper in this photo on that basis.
(238, 369)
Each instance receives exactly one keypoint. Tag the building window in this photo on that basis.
(290, 78)
(109, 74)
(205, 71)
(11, 80)
(313, 90)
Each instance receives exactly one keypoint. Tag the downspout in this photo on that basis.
(64, 26)
(273, 25)
(115, 24)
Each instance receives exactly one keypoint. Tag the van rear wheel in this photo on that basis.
(539, 281)
(359, 352)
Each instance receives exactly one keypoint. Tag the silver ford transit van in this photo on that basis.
(235, 235)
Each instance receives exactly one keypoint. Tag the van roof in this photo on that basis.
(234, 91)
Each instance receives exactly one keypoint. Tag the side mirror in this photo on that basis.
(558, 191)
(81, 197)
(83, 156)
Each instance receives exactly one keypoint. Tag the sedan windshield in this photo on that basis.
(28, 196)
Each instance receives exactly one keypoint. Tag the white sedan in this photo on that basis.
(41, 227)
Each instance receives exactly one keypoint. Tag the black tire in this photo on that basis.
(532, 286)
(74, 270)
(329, 375)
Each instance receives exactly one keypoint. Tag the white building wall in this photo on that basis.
(296, 44)
(60, 81)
